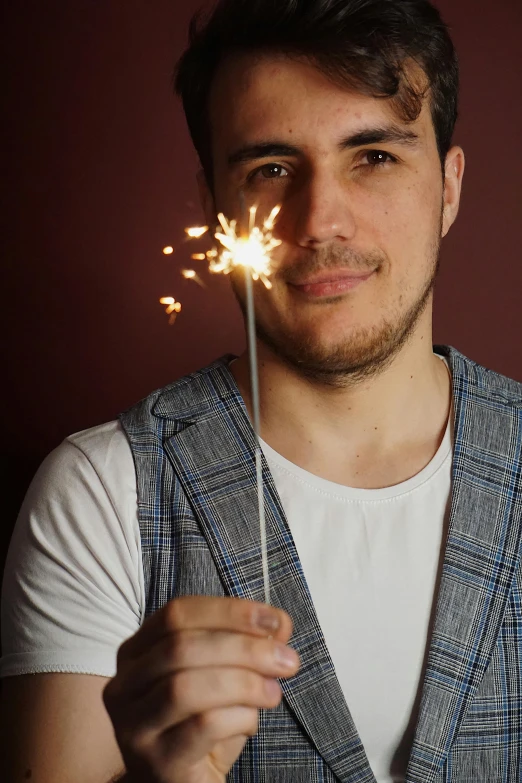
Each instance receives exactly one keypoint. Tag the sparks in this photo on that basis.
(270, 221)
(196, 233)
(168, 251)
(252, 252)
(191, 274)
(173, 308)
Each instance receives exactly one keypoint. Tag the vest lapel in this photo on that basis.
(213, 456)
(481, 556)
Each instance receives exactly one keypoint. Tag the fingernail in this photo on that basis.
(285, 656)
(267, 620)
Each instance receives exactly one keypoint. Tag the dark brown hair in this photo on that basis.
(369, 45)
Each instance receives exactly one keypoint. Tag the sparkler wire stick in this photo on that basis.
(254, 384)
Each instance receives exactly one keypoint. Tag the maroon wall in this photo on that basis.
(100, 176)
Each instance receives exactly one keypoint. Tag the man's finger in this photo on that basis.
(208, 613)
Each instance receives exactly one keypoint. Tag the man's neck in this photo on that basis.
(376, 433)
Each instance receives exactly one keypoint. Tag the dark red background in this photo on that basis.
(100, 176)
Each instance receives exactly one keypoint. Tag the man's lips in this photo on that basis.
(330, 283)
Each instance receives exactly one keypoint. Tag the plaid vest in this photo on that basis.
(193, 448)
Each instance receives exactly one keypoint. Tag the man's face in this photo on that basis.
(362, 211)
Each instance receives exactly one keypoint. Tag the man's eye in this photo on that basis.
(378, 157)
(269, 171)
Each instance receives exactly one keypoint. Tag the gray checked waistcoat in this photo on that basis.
(193, 448)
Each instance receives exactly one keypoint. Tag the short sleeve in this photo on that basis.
(73, 584)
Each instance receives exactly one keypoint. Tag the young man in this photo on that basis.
(392, 469)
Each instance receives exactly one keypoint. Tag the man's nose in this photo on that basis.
(323, 212)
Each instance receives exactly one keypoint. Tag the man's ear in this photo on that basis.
(206, 198)
(454, 173)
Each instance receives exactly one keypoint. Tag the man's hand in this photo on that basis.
(189, 685)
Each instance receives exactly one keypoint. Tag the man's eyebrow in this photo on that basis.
(269, 149)
(387, 135)
(278, 149)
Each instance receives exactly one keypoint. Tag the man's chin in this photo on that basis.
(334, 363)
(351, 354)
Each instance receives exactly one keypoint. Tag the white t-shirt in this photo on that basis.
(370, 558)
(73, 587)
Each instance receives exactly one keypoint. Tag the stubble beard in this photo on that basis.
(367, 352)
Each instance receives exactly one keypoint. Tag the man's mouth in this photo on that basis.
(333, 282)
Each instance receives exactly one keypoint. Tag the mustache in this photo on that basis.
(312, 261)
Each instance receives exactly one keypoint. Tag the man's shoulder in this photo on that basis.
(480, 381)
(189, 397)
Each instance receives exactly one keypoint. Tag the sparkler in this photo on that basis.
(249, 249)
